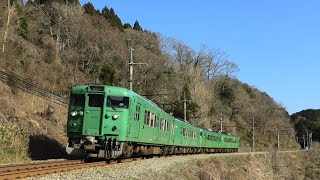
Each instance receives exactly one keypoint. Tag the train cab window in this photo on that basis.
(77, 100)
(96, 100)
(118, 102)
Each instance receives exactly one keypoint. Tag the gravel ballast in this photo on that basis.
(131, 170)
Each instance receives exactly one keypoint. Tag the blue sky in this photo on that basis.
(276, 44)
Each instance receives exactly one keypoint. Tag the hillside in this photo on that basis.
(57, 45)
(307, 126)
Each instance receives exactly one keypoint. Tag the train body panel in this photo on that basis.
(112, 121)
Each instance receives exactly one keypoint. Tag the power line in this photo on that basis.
(14, 80)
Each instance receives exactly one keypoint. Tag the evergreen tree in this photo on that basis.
(137, 26)
(89, 9)
(192, 107)
(118, 23)
(106, 13)
(74, 2)
(127, 26)
(37, 1)
(23, 29)
(49, 1)
(107, 75)
(113, 19)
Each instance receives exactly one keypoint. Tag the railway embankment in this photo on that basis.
(257, 165)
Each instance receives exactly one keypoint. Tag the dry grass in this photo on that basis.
(14, 140)
(26, 131)
(269, 166)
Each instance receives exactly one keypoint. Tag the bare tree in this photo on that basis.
(10, 13)
(217, 63)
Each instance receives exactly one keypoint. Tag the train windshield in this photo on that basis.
(96, 100)
(118, 102)
(77, 100)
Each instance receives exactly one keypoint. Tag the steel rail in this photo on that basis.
(36, 169)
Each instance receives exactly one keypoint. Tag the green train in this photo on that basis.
(113, 122)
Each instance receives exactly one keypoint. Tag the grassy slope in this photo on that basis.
(273, 165)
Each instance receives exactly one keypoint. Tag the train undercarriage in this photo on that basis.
(113, 149)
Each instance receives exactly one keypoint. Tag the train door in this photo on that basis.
(200, 138)
(93, 114)
(147, 133)
(156, 127)
(134, 120)
(171, 132)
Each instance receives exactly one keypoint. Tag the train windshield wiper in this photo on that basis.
(113, 107)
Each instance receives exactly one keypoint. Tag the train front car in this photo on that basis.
(96, 121)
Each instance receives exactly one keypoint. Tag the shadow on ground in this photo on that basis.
(42, 147)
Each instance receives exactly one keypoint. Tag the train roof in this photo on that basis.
(120, 91)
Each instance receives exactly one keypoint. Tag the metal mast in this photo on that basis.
(184, 106)
(131, 63)
(131, 69)
(253, 134)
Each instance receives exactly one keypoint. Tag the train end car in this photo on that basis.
(97, 120)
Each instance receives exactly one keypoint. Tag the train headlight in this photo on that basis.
(115, 116)
(107, 115)
(81, 113)
(74, 113)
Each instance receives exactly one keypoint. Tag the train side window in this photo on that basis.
(118, 102)
(137, 115)
(147, 117)
(166, 126)
(194, 134)
(201, 134)
(185, 132)
(152, 120)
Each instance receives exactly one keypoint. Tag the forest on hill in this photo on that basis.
(58, 44)
(307, 125)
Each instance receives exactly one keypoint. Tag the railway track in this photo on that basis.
(36, 169)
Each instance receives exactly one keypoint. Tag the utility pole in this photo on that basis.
(221, 116)
(131, 69)
(253, 134)
(278, 134)
(308, 143)
(184, 106)
(304, 142)
(310, 137)
(131, 63)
